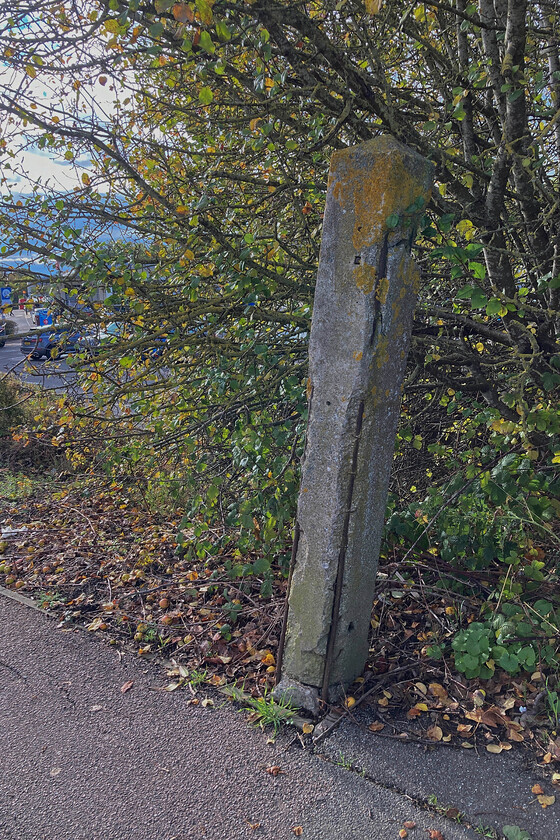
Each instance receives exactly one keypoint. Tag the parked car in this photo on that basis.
(50, 343)
(2, 334)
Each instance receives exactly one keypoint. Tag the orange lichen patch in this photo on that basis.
(357, 356)
(365, 278)
(382, 290)
(374, 183)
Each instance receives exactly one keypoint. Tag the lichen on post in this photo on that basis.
(367, 287)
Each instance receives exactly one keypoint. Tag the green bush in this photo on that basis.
(11, 405)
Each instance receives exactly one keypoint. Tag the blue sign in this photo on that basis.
(5, 294)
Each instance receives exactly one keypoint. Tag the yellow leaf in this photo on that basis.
(373, 6)
(423, 707)
(350, 702)
(376, 727)
(254, 123)
(537, 789)
(269, 659)
(307, 728)
(546, 800)
(189, 254)
(86, 179)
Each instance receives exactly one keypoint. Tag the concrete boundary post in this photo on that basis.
(366, 292)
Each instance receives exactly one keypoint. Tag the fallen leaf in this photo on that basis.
(452, 813)
(409, 824)
(435, 733)
(126, 686)
(56, 770)
(96, 708)
(206, 703)
(494, 748)
(307, 728)
(414, 713)
(350, 702)
(433, 834)
(547, 758)
(254, 825)
(438, 691)
(546, 800)
(467, 746)
(274, 770)
(537, 789)
(555, 778)
(383, 701)
(298, 830)
(464, 728)
(421, 687)
(376, 727)
(403, 833)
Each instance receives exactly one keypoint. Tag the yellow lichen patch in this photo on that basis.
(357, 356)
(382, 290)
(365, 278)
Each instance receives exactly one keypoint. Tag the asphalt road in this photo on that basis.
(49, 374)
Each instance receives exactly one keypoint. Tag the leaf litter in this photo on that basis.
(97, 559)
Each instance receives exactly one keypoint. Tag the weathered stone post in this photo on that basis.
(366, 291)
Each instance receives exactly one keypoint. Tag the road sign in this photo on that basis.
(5, 294)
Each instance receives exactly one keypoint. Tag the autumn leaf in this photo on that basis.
(183, 13)
(307, 728)
(434, 733)
(434, 834)
(537, 789)
(350, 702)
(126, 686)
(409, 824)
(274, 770)
(546, 800)
(377, 726)
(373, 6)
(298, 830)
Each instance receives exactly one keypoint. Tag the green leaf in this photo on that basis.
(494, 306)
(206, 42)
(205, 95)
(478, 299)
(392, 221)
(156, 29)
(513, 832)
(222, 31)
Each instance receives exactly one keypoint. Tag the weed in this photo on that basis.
(268, 712)
(553, 703)
(196, 678)
(343, 761)
(48, 600)
(486, 831)
(513, 832)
